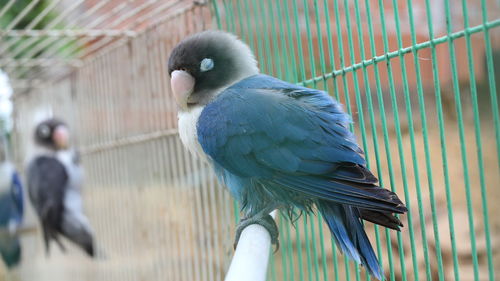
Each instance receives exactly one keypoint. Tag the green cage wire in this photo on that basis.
(384, 61)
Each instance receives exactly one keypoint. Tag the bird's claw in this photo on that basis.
(266, 221)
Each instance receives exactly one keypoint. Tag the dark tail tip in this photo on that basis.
(12, 254)
(89, 249)
(88, 246)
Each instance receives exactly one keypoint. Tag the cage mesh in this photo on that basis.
(420, 79)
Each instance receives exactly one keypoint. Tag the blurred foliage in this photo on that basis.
(19, 6)
(26, 44)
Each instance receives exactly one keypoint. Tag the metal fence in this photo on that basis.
(420, 79)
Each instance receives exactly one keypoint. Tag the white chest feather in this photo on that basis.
(6, 170)
(187, 131)
(67, 158)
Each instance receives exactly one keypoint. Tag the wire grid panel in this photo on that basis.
(419, 81)
(158, 213)
(45, 38)
(420, 85)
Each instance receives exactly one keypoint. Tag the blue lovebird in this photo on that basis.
(11, 213)
(276, 145)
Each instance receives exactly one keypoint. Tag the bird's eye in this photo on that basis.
(206, 64)
(44, 131)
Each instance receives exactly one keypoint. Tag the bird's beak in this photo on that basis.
(61, 137)
(182, 84)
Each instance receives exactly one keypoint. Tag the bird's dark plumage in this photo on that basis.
(54, 190)
(47, 179)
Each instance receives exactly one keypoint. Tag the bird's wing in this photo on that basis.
(47, 180)
(11, 203)
(297, 137)
(17, 194)
(5, 209)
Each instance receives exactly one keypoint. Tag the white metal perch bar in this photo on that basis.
(251, 256)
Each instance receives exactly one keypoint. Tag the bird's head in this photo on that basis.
(205, 63)
(53, 134)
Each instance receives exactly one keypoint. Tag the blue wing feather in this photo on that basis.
(265, 128)
(11, 202)
(273, 141)
(11, 210)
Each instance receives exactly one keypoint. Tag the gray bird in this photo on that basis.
(54, 183)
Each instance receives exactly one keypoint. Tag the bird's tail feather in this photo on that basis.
(10, 251)
(50, 217)
(81, 237)
(349, 234)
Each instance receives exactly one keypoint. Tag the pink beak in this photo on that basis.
(182, 84)
(60, 136)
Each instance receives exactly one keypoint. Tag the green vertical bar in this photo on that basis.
(286, 73)
(272, 265)
(414, 158)
(330, 47)
(347, 268)
(292, 73)
(314, 248)
(277, 56)
(357, 93)
(300, 53)
(494, 105)
(284, 250)
(267, 47)
(463, 149)
(299, 253)
(216, 14)
(244, 35)
(322, 59)
(477, 131)
(322, 246)
(342, 61)
(491, 77)
(308, 250)
(309, 39)
(228, 11)
(402, 161)
(427, 160)
(236, 209)
(335, 259)
(442, 136)
(260, 51)
(231, 16)
(251, 31)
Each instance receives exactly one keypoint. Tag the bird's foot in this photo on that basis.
(266, 221)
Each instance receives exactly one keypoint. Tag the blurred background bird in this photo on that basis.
(54, 182)
(277, 145)
(11, 208)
